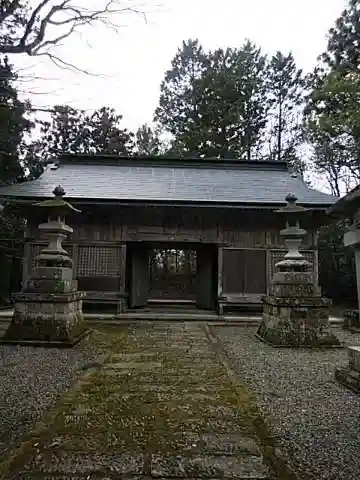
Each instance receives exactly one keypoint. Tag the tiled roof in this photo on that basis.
(170, 181)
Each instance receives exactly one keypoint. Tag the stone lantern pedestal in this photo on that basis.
(294, 312)
(352, 317)
(48, 310)
(349, 376)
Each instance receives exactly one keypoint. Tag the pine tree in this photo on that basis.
(148, 141)
(72, 131)
(343, 53)
(178, 110)
(286, 95)
(104, 133)
(213, 103)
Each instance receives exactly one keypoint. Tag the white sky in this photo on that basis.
(133, 62)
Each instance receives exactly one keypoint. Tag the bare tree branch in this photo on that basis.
(35, 24)
(59, 62)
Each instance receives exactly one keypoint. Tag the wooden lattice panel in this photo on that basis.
(276, 256)
(95, 261)
(35, 250)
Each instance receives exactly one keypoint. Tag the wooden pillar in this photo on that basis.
(122, 268)
(26, 269)
(220, 270)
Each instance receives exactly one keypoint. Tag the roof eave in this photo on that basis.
(165, 203)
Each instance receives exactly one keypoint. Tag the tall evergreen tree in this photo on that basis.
(343, 53)
(178, 110)
(147, 141)
(213, 103)
(332, 127)
(73, 131)
(232, 102)
(13, 125)
(286, 95)
(105, 133)
(332, 118)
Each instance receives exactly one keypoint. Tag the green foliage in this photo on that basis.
(147, 141)
(332, 127)
(343, 53)
(72, 131)
(13, 125)
(332, 119)
(13, 18)
(223, 103)
(285, 89)
(212, 103)
(178, 110)
(336, 264)
(232, 111)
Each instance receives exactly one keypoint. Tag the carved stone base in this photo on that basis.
(350, 375)
(352, 321)
(52, 320)
(349, 378)
(296, 323)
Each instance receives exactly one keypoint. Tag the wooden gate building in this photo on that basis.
(154, 228)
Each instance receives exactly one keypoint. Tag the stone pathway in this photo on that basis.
(162, 405)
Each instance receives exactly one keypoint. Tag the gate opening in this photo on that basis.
(172, 274)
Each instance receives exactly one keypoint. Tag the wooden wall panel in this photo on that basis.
(244, 239)
(232, 228)
(244, 271)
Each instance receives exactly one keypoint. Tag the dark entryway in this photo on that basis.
(172, 273)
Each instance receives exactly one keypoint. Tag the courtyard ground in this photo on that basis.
(314, 420)
(175, 400)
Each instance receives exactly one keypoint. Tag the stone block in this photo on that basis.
(69, 463)
(348, 378)
(48, 286)
(229, 444)
(352, 238)
(53, 273)
(47, 322)
(354, 358)
(225, 467)
(351, 320)
(290, 323)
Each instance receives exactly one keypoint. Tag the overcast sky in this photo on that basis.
(133, 62)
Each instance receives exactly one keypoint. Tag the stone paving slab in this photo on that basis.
(163, 405)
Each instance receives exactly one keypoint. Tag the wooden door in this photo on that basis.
(244, 271)
(206, 276)
(139, 283)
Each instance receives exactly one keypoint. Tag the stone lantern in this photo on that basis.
(294, 312)
(48, 310)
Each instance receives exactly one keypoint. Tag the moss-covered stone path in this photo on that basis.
(162, 405)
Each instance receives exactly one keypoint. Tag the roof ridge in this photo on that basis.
(171, 162)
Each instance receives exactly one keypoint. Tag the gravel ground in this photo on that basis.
(31, 379)
(315, 420)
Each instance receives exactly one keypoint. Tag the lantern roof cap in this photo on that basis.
(291, 206)
(57, 203)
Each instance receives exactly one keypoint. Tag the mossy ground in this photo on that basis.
(162, 388)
